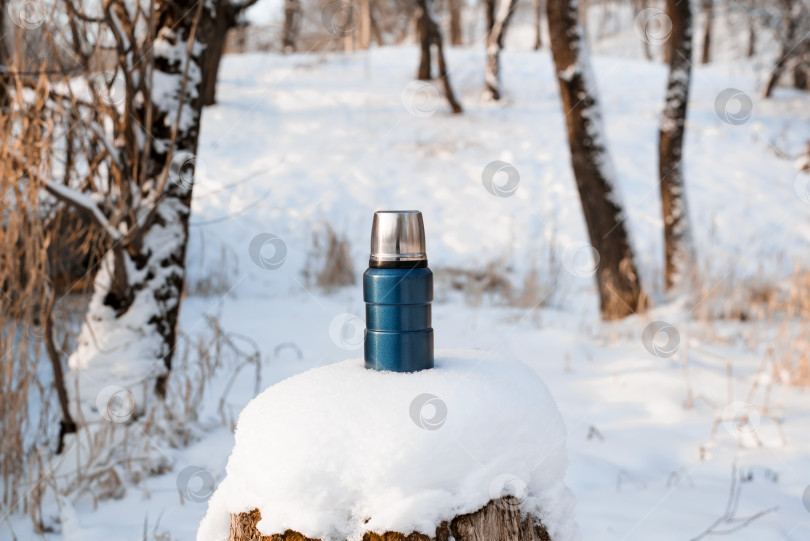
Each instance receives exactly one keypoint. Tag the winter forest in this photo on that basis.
(598, 327)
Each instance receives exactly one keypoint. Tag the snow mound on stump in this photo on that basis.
(341, 450)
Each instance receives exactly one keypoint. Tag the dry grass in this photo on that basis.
(330, 259)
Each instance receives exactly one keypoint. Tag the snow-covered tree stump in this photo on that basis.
(471, 450)
(499, 520)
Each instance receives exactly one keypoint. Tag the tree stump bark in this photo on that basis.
(499, 520)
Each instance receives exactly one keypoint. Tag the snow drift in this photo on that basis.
(340, 450)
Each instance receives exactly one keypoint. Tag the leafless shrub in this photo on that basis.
(329, 261)
(218, 279)
(475, 284)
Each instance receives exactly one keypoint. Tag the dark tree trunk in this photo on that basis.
(430, 35)
(225, 20)
(454, 7)
(800, 75)
(678, 243)
(423, 30)
(158, 254)
(708, 10)
(752, 31)
(66, 424)
(617, 279)
(4, 56)
(375, 30)
(292, 24)
(538, 19)
(494, 45)
(499, 520)
(489, 15)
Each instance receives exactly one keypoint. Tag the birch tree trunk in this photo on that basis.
(499, 520)
(678, 243)
(494, 45)
(619, 285)
(129, 333)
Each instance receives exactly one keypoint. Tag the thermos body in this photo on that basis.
(398, 290)
(399, 336)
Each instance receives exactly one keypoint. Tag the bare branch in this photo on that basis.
(84, 204)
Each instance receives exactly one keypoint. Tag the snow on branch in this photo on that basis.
(83, 203)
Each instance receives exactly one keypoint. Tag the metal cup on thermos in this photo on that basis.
(398, 290)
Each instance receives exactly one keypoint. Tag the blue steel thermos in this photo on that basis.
(398, 290)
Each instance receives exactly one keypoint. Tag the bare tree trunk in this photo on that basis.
(136, 301)
(752, 30)
(227, 17)
(225, 20)
(430, 35)
(454, 7)
(538, 18)
(790, 22)
(489, 14)
(423, 30)
(678, 242)
(5, 58)
(375, 30)
(800, 72)
(66, 424)
(617, 279)
(444, 75)
(708, 10)
(292, 24)
(499, 520)
(494, 46)
(365, 24)
(639, 6)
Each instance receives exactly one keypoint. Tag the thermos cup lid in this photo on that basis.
(398, 239)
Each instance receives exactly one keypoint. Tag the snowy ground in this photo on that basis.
(297, 142)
